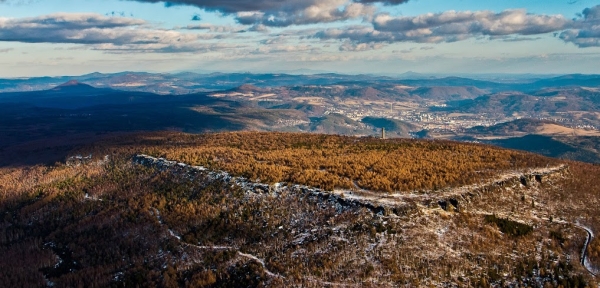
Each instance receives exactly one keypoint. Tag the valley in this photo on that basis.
(299, 143)
(290, 184)
(499, 113)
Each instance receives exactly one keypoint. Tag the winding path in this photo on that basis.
(588, 239)
(376, 198)
(244, 255)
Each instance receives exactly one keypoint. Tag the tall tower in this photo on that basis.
(383, 133)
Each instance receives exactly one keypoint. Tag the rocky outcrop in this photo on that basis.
(455, 198)
(339, 201)
(451, 199)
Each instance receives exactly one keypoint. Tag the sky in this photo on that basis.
(74, 37)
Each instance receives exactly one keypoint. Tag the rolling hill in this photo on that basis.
(336, 124)
(575, 148)
(528, 126)
(290, 209)
(448, 93)
(393, 127)
(540, 136)
(541, 101)
(73, 95)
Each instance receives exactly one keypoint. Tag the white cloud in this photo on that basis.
(452, 26)
(287, 12)
(351, 46)
(101, 33)
(586, 32)
(319, 12)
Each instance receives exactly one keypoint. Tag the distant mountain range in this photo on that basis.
(528, 126)
(324, 103)
(74, 94)
(100, 187)
(546, 100)
(188, 82)
(539, 136)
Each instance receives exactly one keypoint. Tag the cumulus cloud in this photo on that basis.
(71, 21)
(583, 38)
(235, 6)
(592, 13)
(586, 32)
(280, 13)
(320, 12)
(356, 34)
(259, 28)
(98, 31)
(450, 26)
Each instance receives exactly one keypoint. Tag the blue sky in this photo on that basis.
(70, 37)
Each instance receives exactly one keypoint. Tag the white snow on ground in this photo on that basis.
(261, 263)
(585, 260)
(214, 247)
(401, 198)
(360, 195)
(590, 236)
(333, 284)
(244, 255)
(173, 234)
(91, 198)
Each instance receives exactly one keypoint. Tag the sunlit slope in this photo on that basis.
(331, 162)
(109, 220)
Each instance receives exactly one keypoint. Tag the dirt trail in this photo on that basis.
(376, 198)
(373, 199)
(244, 255)
(404, 197)
(584, 259)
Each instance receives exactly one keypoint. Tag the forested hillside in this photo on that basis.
(106, 221)
(332, 162)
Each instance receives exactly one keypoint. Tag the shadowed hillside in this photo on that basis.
(336, 124)
(393, 127)
(106, 220)
(574, 148)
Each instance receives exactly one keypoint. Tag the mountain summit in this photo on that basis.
(73, 85)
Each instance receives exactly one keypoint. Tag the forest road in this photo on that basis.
(590, 236)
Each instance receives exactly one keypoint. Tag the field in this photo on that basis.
(557, 130)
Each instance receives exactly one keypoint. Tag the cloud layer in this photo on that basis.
(448, 26)
(280, 13)
(451, 26)
(121, 34)
(101, 33)
(587, 29)
(235, 6)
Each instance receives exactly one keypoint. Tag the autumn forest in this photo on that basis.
(98, 219)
